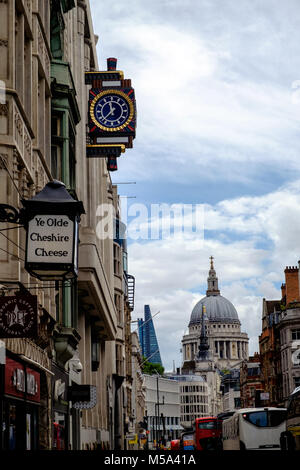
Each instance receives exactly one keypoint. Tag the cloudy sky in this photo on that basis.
(217, 86)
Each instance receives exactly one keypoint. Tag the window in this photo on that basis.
(118, 307)
(276, 417)
(57, 147)
(253, 371)
(297, 382)
(237, 402)
(265, 419)
(293, 408)
(119, 360)
(207, 425)
(72, 159)
(63, 156)
(295, 334)
(117, 263)
(95, 353)
(258, 418)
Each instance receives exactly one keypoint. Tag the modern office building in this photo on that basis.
(194, 398)
(148, 339)
(163, 409)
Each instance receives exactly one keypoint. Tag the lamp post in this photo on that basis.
(156, 407)
(51, 219)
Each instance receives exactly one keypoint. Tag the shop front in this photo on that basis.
(60, 409)
(20, 402)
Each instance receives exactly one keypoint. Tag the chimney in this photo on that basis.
(291, 284)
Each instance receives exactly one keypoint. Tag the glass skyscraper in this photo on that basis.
(147, 336)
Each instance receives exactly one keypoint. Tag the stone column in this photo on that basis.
(230, 349)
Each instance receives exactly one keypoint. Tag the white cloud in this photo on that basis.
(208, 88)
(218, 110)
(171, 273)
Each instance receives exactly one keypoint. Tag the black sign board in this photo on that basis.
(18, 316)
(78, 393)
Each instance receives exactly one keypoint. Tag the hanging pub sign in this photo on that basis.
(83, 397)
(18, 316)
(51, 222)
(112, 114)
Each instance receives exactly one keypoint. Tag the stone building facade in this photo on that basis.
(163, 408)
(280, 341)
(290, 349)
(138, 393)
(25, 141)
(289, 330)
(270, 354)
(250, 382)
(231, 396)
(84, 325)
(194, 398)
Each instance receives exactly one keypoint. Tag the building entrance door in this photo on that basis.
(20, 426)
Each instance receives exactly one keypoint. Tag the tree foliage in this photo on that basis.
(152, 368)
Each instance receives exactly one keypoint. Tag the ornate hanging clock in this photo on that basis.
(112, 114)
(112, 111)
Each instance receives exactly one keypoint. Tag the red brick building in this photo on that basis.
(290, 289)
(279, 340)
(250, 381)
(270, 356)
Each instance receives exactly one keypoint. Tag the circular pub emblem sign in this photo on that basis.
(18, 316)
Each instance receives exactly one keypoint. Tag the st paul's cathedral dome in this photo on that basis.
(217, 307)
(215, 318)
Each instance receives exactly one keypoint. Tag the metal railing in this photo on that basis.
(131, 290)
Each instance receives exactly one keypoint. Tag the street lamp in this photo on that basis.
(158, 419)
(156, 409)
(51, 219)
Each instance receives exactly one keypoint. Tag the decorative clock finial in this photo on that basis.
(112, 63)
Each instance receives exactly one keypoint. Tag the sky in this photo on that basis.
(217, 86)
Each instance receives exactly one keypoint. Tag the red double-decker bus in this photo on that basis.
(208, 433)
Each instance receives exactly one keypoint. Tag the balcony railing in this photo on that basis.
(131, 290)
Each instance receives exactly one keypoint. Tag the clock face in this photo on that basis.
(111, 110)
